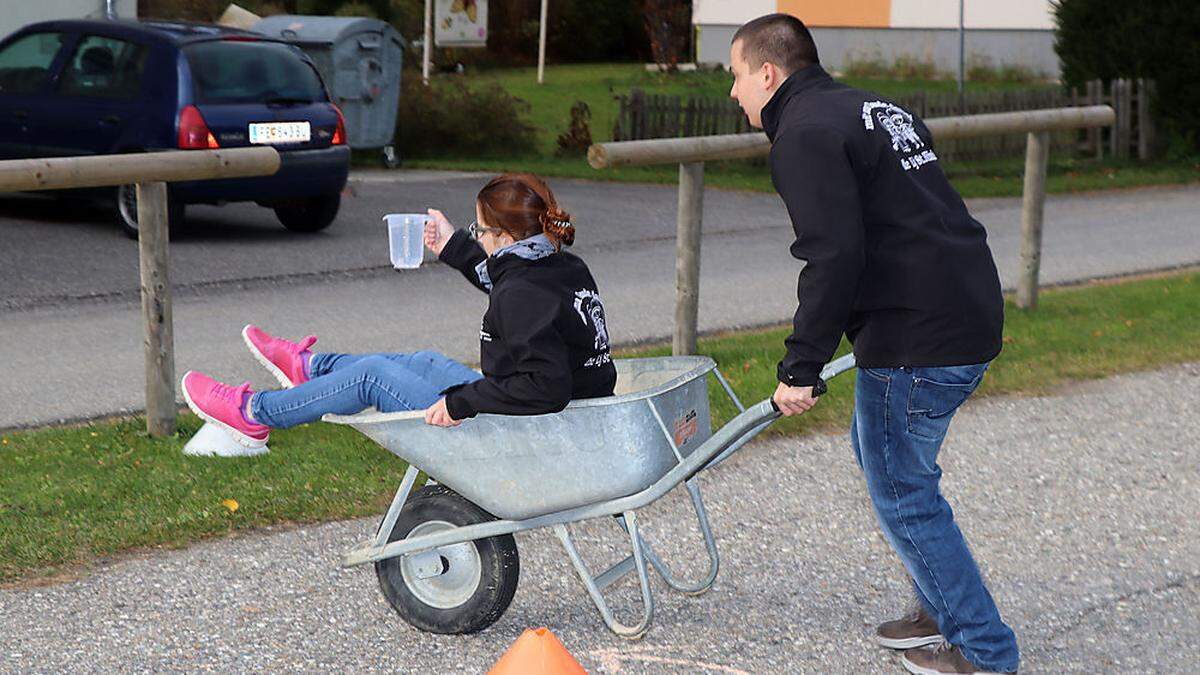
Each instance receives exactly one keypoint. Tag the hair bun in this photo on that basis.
(557, 224)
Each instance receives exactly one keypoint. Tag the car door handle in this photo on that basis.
(111, 119)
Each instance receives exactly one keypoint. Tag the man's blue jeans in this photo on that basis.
(900, 419)
(344, 384)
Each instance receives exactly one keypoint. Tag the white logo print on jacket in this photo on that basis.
(899, 125)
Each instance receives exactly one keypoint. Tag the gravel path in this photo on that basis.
(1082, 508)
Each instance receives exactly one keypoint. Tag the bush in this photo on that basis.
(981, 69)
(447, 118)
(1107, 39)
(577, 30)
(904, 67)
(577, 138)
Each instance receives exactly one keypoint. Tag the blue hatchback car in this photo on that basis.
(71, 88)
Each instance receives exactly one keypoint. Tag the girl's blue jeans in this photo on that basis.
(345, 384)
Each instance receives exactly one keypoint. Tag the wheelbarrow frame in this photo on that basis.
(719, 446)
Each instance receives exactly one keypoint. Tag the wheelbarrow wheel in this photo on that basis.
(456, 589)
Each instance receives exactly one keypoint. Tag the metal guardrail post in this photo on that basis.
(687, 257)
(159, 342)
(1033, 204)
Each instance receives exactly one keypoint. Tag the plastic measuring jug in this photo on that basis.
(406, 234)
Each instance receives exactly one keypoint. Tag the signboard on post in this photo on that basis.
(460, 23)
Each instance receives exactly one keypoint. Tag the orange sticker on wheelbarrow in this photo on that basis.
(685, 428)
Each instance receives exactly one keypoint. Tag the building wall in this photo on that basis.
(19, 13)
(981, 14)
(1016, 32)
(1033, 49)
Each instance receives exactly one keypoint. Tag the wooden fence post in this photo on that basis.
(1114, 133)
(1037, 154)
(1125, 119)
(687, 257)
(159, 345)
(1145, 124)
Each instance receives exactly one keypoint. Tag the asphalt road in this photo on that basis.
(70, 332)
(1080, 507)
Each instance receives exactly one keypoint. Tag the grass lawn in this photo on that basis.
(70, 495)
(597, 84)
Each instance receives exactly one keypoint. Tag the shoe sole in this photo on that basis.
(284, 381)
(240, 437)
(920, 670)
(907, 643)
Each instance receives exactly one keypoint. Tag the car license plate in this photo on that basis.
(280, 132)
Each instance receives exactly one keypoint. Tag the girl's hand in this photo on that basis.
(438, 416)
(437, 231)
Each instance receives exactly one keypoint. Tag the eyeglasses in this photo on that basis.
(476, 230)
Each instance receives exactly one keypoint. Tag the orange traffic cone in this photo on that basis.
(537, 652)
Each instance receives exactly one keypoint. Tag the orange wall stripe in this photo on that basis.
(853, 13)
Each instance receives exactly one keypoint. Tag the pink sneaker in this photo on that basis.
(284, 358)
(221, 404)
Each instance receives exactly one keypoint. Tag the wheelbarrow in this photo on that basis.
(445, 555)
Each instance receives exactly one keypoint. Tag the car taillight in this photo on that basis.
(193, 132)
(339, 135)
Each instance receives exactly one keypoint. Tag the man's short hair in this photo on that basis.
(781, 39)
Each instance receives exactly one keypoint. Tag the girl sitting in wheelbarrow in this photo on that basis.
(543, 341)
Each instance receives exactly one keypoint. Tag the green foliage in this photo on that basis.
(1107, 39)
(577, 30)
(980, 68)
(576, 140)
(904, 67)
(447, 118)
(356, 9)
(69, 495)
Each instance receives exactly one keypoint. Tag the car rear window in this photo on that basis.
(229, 71)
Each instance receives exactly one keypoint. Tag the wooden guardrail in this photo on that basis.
(150, 172)
(642, 116)
(691, 153)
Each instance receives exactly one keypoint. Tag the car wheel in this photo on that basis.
(310, 214)
(125, 211)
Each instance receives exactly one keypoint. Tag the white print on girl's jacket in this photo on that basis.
(899, 125)
(591, 310)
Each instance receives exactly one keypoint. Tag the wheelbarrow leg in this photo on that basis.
(636, 632)
(389, 520)
(710, 543)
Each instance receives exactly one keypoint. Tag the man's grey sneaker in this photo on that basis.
(945, 659)
(915, 630)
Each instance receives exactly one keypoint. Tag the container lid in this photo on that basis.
(322, 29)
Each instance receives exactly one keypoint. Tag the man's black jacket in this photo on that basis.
(543, 341)
(893, 259)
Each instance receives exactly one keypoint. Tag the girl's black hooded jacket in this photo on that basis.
(544, 340)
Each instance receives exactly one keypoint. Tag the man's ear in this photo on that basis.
(772, 75)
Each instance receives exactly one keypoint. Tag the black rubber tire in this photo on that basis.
(125, 212)
(310, 214)
(499, 561)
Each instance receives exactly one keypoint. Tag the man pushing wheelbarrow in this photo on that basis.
(894, 261)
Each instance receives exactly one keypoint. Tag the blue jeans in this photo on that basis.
(344, 384)
(900, 419)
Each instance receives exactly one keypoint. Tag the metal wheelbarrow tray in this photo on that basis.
(445, 556)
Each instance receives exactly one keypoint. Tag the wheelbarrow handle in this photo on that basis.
(758, 417)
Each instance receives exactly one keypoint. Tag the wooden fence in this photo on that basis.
(645, 116)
